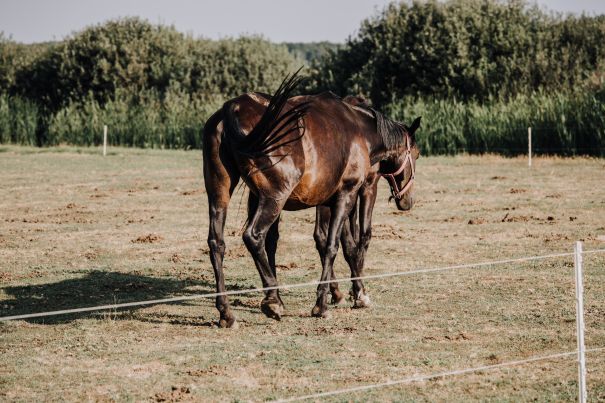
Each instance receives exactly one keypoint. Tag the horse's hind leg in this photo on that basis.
(320, 235)
(272, 237)
(220, 179)
(255, 236)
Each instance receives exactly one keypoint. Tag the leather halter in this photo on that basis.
(395, 191)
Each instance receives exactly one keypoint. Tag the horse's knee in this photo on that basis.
(216, 245)
(331, 251)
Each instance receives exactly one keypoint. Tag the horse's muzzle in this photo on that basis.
(405, 203)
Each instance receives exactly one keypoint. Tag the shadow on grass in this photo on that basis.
(96, 288)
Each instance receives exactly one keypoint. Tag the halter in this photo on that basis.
(395, 191)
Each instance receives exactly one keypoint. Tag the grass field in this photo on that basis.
(77, 229)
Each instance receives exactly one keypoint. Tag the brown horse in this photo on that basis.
(297, 153)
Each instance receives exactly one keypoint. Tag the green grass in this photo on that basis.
(67, 225)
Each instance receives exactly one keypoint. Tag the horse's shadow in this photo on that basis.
(103, 288)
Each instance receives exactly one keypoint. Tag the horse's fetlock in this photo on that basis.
(365, 239)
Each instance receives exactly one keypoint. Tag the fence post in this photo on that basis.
(104, 140)
(580, 323)
(529, 145)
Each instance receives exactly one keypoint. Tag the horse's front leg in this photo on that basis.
(339, 211)
(355, 239)
(320, 235)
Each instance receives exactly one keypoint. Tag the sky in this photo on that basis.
(278, 20)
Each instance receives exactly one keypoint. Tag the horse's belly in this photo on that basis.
(295, 205)
(311, 191)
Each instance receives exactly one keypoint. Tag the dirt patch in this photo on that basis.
(287, 266)
(451, 219)
(149, 238)
(385, 231)
(211, 370)
(523, 218)
(192, 192)
(176, 394)
(237, 251)
(477, 221)
(458, 336)
(245, 303)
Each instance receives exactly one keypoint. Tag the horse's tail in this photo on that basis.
(271, 132)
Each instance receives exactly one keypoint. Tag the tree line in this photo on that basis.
(478, 70)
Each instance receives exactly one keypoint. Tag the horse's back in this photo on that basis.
(310, 170)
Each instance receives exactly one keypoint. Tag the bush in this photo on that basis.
(464, 49)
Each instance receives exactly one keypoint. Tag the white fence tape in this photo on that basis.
(287, 286)
(418, 378)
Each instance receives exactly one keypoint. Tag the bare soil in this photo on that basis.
(77, 229)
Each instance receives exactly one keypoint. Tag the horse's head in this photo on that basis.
(399, 168)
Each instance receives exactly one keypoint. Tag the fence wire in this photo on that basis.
(286, 286)
(444, 374)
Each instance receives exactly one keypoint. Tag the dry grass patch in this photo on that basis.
(80, 230)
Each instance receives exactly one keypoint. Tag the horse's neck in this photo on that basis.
(376, 147)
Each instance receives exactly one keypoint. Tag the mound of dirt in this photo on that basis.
(476, 221)
(192, 192)
(177, 394)
(149, 238)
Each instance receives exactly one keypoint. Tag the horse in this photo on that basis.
(296, 153)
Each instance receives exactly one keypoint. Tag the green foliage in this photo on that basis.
(133, 55)
(18, 121)
(467, 49)
(153, 86)
(563, 124)
(172, 122)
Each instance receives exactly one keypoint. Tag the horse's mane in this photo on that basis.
(392, 132)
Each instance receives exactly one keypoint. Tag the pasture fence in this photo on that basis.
(104, 140)
(419, 378)
(286, 286)
(580, 328)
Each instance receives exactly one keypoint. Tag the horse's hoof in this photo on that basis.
(363, 301)
(228, 322)
(273, 310)
(319, 312)
(337, 297)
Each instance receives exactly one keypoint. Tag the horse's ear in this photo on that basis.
(415, 126)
